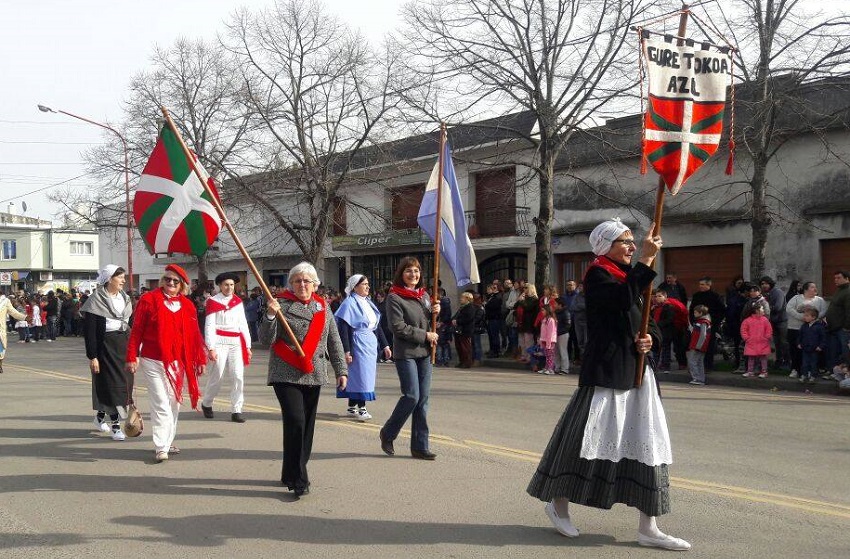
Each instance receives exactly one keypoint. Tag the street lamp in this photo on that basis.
(46, 109)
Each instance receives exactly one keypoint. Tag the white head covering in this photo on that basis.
(105, 274)
(603, 235)
(352, 283)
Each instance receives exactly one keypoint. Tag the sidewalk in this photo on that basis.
(776, 381)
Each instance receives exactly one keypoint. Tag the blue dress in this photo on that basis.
(360, 333)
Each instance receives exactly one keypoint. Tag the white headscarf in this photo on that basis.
(352, 283)
(105, 274)
(603, 235)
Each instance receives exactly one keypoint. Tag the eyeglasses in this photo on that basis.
(626, 242)
(302, 281)
(168, 279)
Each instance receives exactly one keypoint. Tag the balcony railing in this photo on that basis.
(499, 222)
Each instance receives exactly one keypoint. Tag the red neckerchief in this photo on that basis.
(408, 293)
(609, 266)
(179, 341)
(310, 341)
(214, 306)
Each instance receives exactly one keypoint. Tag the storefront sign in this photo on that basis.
(403, 237)
(5, 278)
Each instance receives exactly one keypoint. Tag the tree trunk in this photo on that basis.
(543, 236)
(203, 271)
(760, 220)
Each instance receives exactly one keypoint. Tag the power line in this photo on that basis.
(36, 191)
(46, 142)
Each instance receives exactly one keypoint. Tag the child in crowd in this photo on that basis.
(562, 315)
(700, 338)
(548, 338)
(537, 358)
(756, 332)
(812, 343)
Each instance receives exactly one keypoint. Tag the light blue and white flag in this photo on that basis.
(455, 245)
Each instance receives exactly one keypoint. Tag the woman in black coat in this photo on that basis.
(464, 323)
(611, 444)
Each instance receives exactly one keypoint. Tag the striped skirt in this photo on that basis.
(595, 483)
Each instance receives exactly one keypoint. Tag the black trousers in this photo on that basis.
(298, 405)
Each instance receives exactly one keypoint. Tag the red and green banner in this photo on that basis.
(172, 210)
(687, 99)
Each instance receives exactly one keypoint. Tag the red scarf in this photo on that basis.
(179, 340)
(214, 306)
(609, 266)
(408, 293)
(310, 341)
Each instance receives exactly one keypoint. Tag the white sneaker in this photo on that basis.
(101, 426)
(118, 435)
(664, 542)
(563, 525)
(794, 373)
(363, 415)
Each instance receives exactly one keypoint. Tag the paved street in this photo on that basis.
(755, 474)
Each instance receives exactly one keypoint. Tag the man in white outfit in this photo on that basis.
(229, 341)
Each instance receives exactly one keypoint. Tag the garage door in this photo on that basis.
(722, 263)
(834, 255)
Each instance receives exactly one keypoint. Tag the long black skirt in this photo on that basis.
(595, 483)
(112, 385)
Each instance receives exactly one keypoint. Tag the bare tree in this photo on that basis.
(563, 60)
(794, 63)
(199, 85)
(318, 93)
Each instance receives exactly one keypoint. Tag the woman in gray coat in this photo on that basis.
(409, 311)
(297, 381)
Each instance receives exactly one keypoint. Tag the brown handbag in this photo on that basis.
(134, 424)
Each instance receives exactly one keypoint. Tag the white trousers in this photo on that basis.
(229, 361)
(164, 407)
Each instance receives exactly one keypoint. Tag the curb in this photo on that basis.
(775, 382)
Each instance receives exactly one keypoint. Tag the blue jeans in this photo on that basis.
(444, 353)
(809, 364)
(837, 341)
(494, 330)
(476, 347)
(415, 378)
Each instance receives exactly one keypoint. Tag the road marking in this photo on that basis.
(729, 491)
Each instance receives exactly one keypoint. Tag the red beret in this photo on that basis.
(181, 273)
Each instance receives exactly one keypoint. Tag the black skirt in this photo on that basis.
(595, 483)
(113, 384)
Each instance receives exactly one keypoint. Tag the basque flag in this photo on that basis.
(455, 245)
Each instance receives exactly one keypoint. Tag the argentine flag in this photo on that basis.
(455, 245)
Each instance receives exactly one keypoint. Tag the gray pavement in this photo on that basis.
(755, 473)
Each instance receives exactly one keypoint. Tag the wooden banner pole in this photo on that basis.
(657, 217)
(435, 294)
(233, 234)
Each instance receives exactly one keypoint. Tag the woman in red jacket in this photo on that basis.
(165, 328)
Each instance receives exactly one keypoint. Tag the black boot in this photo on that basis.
(208, 412)
(237, 418)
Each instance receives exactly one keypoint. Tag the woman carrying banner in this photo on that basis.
(358, 320)
(409, 311)
(297, 380)
(106, 328)
(611, 444)
(165, 330)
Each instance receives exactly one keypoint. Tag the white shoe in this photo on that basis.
(664, 542)
(351, 412)
(161, 457)
(794, 373)
(118, 435)
(562, 525)
(101, 426)
(363, 415)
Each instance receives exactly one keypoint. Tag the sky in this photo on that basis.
(79, 56)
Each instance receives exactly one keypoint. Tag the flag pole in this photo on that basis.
(657, 217)
(233, 234)
(435, 297)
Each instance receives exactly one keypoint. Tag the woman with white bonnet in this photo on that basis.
(106, 328)
(358, 320)
(611, 444)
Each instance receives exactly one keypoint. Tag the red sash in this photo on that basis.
(609, 266)
(246, 359)
(310, 341)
